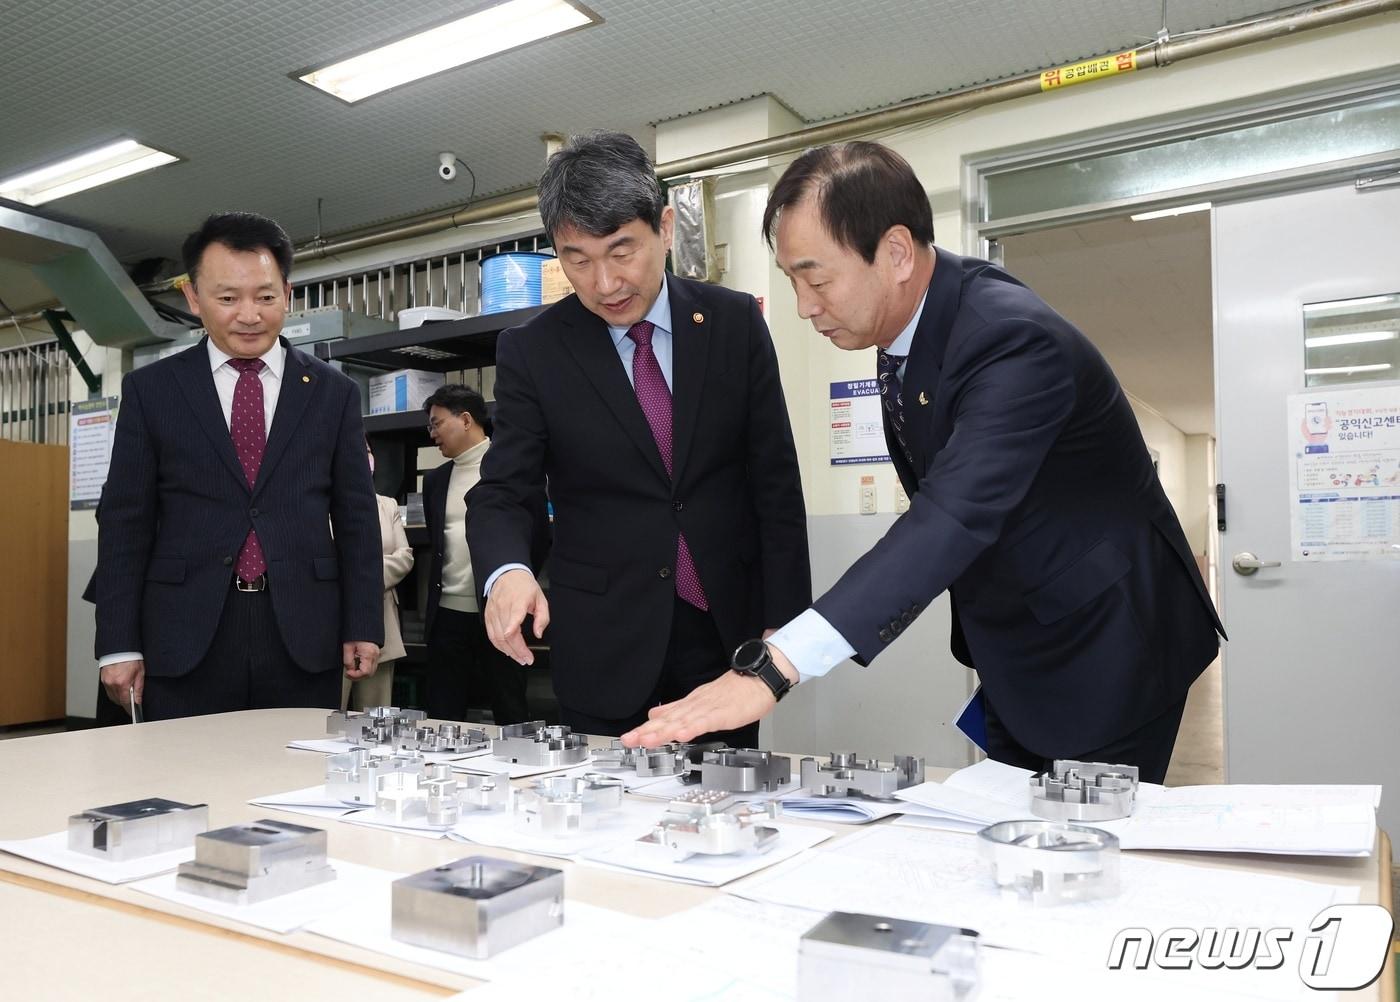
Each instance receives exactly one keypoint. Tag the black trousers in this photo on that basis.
(1149, 747)
(694, 655)
(461, 661)
(247, 667)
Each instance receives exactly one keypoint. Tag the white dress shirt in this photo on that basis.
(225, 379)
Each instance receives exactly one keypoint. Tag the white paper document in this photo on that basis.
(346, 893)
(337, 746)
(1287, 820)
(840, 810)
(52, 850)
(486, 765)
(313, 801)
(710, 871)
(497, 828)
(671, 788)
(940, 877)
(589, 937)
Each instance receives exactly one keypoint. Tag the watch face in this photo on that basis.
(749, 655)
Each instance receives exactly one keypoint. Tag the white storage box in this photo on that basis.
(402, 391)
(415, 316)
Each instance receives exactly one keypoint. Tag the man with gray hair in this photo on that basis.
(651, 408)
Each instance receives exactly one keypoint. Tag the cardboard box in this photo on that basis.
(402, 391)
(554, 284)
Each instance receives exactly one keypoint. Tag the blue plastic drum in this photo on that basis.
(511, 281)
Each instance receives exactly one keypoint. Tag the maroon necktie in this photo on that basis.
(655, 397)
(247, 426)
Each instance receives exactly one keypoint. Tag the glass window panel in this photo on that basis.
(1351, 340)
(1307, 141)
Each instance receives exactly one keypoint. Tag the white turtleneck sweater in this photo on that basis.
(458, 585)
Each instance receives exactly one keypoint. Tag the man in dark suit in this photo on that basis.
(459, 652)
(219, 583)
(1034, 502)
(652, 408)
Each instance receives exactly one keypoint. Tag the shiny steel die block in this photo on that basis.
(1084, 791)
(483, 793)
(539, 744)
(137, 828)
(562, 805)
(848, 955)
(401, 797)
(353, 777)
(477, 907)
(741, 770)
(845, 775)
(441, 805)
(245, 864)
(616, 756)
(1047, 863)
(711, 824)
(663, 760)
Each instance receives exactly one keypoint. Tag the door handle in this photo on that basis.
(1247, 563)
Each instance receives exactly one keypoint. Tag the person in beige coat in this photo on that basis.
(378, 689)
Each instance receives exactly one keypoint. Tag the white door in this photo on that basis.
(1312, 669)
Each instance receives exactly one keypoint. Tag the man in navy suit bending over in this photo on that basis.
(1034, 502)
(219, 583)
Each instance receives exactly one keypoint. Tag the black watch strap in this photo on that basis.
(753, 658)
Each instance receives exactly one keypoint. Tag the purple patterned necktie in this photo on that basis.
(655, 397)
(248, 427)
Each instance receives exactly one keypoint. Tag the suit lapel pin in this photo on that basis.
(923, 400)
(306, 379)
(699, 318)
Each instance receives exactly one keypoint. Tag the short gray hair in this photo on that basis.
(598, 182)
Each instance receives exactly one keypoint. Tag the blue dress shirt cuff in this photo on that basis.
(501, 570)
(812, 645)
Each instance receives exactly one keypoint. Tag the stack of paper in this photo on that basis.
(1286, 820)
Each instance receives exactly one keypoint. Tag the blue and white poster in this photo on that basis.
(857, 423)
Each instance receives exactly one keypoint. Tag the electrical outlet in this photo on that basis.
(722, 257)
(901, 499)
(867, 496)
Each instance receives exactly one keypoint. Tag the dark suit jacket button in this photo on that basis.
(253, 512)
(228, 561)
(907, 618)
(665, 572)
(914, 609)
(896, 626)
(885, 635)
(678, 505)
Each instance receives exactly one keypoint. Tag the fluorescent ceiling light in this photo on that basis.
(505, 26)
(1338, 370)
(1339, 304)
(1360, 337)
(86, 170)
(1180, 210)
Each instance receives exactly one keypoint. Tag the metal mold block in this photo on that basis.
(405, 731)
(710, 823)
(1084, 791)
(845, 775)
(1046, 863)
(741, 770)
(245, 864)
(482, 793)
(119, 832)
(477, 907)
(664, 760)
(562, 805)
(536, 743)
(354, 776)
(848, 955)
(402, 797)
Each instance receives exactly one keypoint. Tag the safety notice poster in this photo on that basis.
(857, 423)
(89, 450)
(1344, 474)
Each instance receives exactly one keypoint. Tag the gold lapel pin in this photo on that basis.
(923, 400)
(699, 318)
(306, 379)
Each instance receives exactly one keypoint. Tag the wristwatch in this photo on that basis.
(753, 659)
